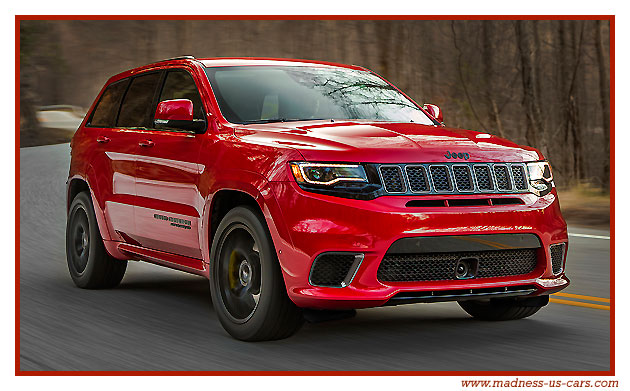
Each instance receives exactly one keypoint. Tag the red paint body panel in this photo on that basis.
(175, 109)
(153, 192)
(167, 178)
(383, 142)
(371, 227)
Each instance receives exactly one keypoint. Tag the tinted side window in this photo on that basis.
(104, 115)
(138, 102)
(180, 85)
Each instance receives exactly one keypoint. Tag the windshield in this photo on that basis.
(259, 94)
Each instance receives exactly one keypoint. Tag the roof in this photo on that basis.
(232, 61)
(264, 61)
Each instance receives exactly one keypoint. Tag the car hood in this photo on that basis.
(385, 142)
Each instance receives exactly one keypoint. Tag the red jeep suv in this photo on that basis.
(301, 188)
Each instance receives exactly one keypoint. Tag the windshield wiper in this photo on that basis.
(269, 120)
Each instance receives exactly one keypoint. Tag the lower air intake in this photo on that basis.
(557, 257)
(442, 266)
(334, 269)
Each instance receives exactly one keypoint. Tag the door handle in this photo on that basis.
(102, 139)
(146, 143)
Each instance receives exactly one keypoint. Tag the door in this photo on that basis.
(167, 178)
(113, 162)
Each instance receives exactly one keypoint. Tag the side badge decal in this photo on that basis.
(175, 222)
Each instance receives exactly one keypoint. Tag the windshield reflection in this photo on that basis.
(263, 94)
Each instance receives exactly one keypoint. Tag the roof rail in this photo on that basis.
(187, 57)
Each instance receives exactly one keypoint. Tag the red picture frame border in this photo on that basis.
(610, 18)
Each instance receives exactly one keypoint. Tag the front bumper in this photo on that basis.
(318, 224)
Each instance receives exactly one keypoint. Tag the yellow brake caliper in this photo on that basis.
(233, 270)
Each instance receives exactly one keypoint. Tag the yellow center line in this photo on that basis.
(583, 297)
(579, 304)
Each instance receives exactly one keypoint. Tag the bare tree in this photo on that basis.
(535, 133)
(463, 80)
(28, 96)
(543, 83)
(488, 72)
(604, 91)
(573, 115)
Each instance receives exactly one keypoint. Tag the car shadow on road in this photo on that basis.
(190, 289)
(426, 326)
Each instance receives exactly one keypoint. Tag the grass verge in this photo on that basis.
(585, 206)
(45, 136)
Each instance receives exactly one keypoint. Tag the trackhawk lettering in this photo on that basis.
(175, 222)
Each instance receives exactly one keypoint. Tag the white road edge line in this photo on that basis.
(590, 236)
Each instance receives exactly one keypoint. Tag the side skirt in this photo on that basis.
(173, 261)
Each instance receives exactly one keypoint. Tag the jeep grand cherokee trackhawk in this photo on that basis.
(301, 187)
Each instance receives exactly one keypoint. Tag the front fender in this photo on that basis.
(257, 187)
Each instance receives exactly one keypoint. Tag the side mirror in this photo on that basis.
(434, 111)
(178, 114)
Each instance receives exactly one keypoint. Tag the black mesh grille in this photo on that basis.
(520, 180)
(503, 177)
(484, 178)
(417, 178)
(441, 266)
(331, 269)
(440, 177)
(463, 180)
(392, 179)
(557, 257)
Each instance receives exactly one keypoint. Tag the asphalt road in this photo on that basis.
(160, 319)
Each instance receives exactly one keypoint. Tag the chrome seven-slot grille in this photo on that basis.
(454, 178)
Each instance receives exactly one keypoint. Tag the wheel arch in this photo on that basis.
(233, 194)
(77, 184)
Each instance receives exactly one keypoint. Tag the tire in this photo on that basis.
(90, 266)
(504, 309)
(246, 284)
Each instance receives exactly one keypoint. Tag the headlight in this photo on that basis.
(540, 178)
(326, 174)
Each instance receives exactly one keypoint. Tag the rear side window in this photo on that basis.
(180, 85)
(104, 115)
(136, 109)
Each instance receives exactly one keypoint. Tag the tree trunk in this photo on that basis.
(535, 133)
(182, 32)
(384, 31)
(487, 56)
(28, 116)
(562, 91)
(573, 113)
(604, 92)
